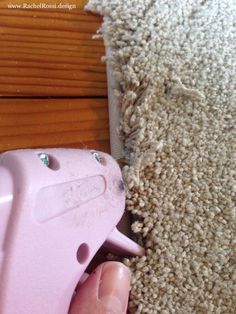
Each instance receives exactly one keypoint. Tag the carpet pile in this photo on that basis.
(175, 63)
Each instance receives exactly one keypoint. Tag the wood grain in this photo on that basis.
(81, 123)
(50, 52)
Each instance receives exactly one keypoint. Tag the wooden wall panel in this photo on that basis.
(53, 89)
(50, 52)
(33, 123)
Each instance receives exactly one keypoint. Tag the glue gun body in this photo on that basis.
(57, 208)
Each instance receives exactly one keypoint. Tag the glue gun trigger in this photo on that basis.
(118, 241)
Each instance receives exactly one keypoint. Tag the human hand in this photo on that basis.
(105, 291)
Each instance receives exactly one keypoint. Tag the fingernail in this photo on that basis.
(114, 287)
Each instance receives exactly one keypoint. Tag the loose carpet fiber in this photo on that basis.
(175, 65)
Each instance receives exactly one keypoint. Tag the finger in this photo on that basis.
(105, 291)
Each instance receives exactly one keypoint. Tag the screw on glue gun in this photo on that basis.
(57, 208)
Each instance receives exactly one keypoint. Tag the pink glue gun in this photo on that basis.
(57, 208)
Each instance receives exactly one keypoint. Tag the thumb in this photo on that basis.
(105, 291)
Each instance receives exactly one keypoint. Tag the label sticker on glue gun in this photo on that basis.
(56, 200)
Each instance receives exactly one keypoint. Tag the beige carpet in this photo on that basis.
(175, 63)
